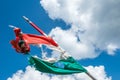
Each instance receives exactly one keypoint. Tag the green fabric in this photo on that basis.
(70, 66)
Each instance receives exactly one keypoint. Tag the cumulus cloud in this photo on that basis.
(70, 43)
(31, 74)
(94, 25)
(111, 48)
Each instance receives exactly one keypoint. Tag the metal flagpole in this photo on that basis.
(90, 76)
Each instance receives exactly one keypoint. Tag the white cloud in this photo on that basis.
(98, 72)
(69, 42)
(95, 23)
(111, 48)
(31, 74)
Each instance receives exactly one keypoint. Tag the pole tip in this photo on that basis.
(11, 26)
(26, 19)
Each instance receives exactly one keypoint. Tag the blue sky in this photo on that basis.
(12, 12)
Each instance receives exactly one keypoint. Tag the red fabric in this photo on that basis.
(30, 39)
(24, 50)
(17, 31)
(35, 39)
(15, 43)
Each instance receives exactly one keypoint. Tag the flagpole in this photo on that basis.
(90, 76)
(35, 26)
